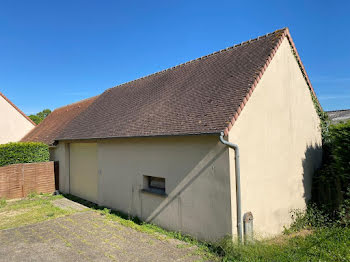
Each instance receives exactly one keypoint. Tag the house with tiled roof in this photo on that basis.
(14, 124)
(200, 146)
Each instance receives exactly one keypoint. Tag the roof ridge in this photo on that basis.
(202, 57)
(286, 34)
(19, 110)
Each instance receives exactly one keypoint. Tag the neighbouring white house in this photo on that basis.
(152, 147)
(14, 124)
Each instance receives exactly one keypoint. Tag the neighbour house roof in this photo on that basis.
(15, 107)
(55, 122)
(337, 116)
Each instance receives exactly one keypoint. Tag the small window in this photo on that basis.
(154, 185)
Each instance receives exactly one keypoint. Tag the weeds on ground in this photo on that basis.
(312, 236)
(310, 218)
(32, 195)
(204, 249)
(2, 202)
(30, 210)
(324, 244)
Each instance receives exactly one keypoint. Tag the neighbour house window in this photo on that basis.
(155, 185)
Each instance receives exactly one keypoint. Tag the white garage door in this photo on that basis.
(83, 171)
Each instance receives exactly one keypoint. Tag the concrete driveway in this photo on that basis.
(89, 236)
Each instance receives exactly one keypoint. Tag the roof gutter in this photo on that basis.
(238, 184)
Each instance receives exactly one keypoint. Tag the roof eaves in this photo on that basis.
(140, 136)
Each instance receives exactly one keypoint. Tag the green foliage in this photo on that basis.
(32, 195)
(321, 114)
(23, 152)
(313, 236)
(311, 218)
(332, 180)
(344, 210)
(40, 116)
(324, 124)
(2, 202)
(35, 119)
(340, 144)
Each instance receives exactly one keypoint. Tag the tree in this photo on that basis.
(40, 116)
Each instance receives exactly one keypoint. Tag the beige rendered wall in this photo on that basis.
(13, 125)
(280, 145)
(83, 167)
(196, 172)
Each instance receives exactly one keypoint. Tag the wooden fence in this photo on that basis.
(18, 180)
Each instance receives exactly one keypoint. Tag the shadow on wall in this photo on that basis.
(206, 163)
(311, 162)
(194, 202)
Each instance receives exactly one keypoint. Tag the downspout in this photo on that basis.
(238, 184)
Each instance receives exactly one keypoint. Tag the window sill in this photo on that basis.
(153, 192)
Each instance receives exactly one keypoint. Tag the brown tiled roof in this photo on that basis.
(203, 96)
(19, 110)
(55, 122)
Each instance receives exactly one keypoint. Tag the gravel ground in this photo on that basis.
(89, 236)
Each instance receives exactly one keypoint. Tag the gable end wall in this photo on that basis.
(280, 145)
(13, 125)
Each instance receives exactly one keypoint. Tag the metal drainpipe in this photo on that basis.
(238, 185)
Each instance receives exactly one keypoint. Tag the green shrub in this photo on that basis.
(344, 210)
(23, 152)
(311, 218)
(333, 179)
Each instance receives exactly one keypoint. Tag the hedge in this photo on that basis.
(332, 181)
(23, 152)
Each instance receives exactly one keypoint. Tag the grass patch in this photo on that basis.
(313, 236)
(2, 202)
(323, 244)
(31, 210)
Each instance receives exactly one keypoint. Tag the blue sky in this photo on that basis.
(54, 53)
